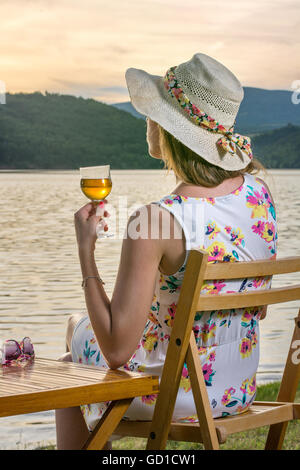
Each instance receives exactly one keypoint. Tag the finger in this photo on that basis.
(84, 210)
(102, 203)
(93, 212)
(102, 224)
(89, 206)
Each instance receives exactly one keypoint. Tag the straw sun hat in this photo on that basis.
(197, 102)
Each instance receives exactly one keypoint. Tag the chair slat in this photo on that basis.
(248, 299)
(107, 424)
(259, 414)
(244, 269)
(256, 417)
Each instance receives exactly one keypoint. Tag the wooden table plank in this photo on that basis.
(57, 369)
(47, 384)
(83, 368)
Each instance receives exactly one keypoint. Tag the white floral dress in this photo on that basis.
(240, 226)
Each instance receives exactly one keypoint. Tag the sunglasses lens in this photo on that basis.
(27, 346)
(11, 350)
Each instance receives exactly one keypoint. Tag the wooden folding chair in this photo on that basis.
(182, 348)
(46, 384)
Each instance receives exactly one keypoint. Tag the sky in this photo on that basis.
(83, 48)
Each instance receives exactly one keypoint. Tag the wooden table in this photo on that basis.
(47, 384)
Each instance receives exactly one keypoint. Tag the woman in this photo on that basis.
(220, 206)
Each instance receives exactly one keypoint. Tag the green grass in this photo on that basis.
(253, 440)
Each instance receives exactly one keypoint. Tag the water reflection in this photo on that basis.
(41, 277)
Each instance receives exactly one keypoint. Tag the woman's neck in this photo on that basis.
(193, 190)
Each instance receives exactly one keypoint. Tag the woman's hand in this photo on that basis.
(86, 221)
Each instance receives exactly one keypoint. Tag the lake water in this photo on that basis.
(41, 277)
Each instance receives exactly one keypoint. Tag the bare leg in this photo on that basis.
(71, 429)
(72, 321)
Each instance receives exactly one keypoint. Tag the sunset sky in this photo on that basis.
(83, 47)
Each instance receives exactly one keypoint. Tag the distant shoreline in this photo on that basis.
(127, 170)
(57, 170)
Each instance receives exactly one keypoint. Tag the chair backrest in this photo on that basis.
(182, 346)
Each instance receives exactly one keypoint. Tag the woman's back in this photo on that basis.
(240, 226)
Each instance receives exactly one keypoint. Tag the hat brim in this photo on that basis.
(150, 98)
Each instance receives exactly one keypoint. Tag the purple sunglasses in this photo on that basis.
(13, 352)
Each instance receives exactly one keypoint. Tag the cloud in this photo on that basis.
(108, 94)
(74, 47)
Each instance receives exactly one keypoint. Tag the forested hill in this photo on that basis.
(279, 148)
(64, 132)
(260, 111)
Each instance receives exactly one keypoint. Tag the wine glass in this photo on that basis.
(96, 184)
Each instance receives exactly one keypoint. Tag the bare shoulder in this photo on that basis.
(138, 248)
(152, 221)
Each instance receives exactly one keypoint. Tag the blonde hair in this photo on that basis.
(190, 168)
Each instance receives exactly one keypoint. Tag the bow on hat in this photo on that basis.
(229, 141)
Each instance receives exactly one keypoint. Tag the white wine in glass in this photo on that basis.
(96, 184)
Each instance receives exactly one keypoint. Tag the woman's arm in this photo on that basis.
(118, 324)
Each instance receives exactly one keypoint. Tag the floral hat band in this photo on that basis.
(229, 141)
